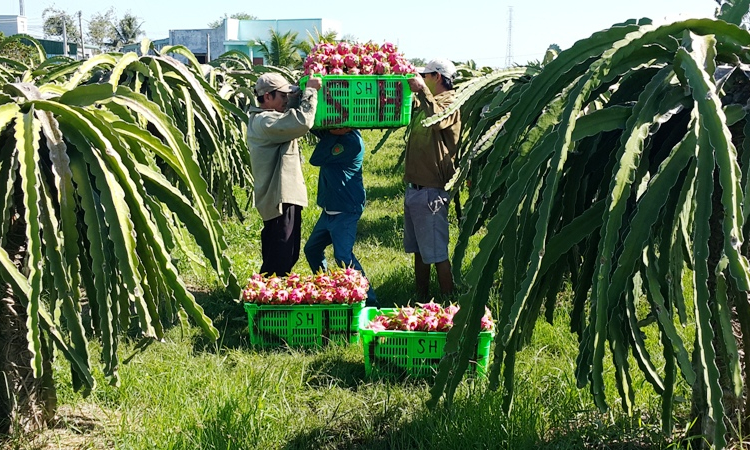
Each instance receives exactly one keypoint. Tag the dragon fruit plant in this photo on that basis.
(356, 59)
(425, 317)
(339, 286)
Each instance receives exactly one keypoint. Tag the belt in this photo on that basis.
(415, 186)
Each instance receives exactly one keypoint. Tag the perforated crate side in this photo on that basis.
(397, 354)
(362, 101)
(302, 325)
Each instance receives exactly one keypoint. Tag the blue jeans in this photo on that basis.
(339, 230)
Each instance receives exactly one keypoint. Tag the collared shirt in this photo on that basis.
(430, 151)
(275, 156)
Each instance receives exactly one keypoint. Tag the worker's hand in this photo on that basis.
(315, 83)
(416, 83)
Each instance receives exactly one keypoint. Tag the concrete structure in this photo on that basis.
(247, 35)
(10, 25)
(206, 44)
(241, 35)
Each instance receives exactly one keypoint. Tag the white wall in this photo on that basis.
(10, 25)
(240, 32)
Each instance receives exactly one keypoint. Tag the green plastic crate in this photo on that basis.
(362, 101)
(302, 325)
(411, 353)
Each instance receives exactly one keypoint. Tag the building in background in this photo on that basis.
(10, 25)
(245, 36)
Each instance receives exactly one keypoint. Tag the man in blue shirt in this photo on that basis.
(341, 194)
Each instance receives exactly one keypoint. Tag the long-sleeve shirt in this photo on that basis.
(340, 186)
(275, 156)
(430, 151)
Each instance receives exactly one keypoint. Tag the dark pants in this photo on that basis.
(280, 241)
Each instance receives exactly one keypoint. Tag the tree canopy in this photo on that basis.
(54, 19)
(127, 31)
(282, 49)
(101, 30)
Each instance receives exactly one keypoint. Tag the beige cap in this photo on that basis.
(272, 81)
(441, 66)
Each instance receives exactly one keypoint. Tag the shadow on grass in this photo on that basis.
(334, 369)
(383, 231)
(388, 191)
(386, 169)
(477, 422)
(228, 316)
(372, 432)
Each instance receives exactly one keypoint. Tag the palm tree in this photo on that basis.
(282, 50)
(127, 31)
(307, 45)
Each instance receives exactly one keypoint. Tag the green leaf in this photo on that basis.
(27, 144)
(101, 266)
(733, 11)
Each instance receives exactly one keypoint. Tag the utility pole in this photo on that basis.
(509, 51)
(22, 11)
(80, 26)
(208, 47)
(65, 39)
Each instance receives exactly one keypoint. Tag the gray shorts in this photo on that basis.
(426, 223)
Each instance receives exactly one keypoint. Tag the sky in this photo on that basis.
(478, 30)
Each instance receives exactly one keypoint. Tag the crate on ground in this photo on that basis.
(411, 353)
(302, 325)
(362, 101)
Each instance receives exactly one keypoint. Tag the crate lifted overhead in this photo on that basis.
(362, 101)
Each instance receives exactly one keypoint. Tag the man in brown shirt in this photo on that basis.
(429, 165)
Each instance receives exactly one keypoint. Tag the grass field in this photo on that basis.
(187, 393)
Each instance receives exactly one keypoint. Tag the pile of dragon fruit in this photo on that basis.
(356, 59)
(339, 286)
(425, 317)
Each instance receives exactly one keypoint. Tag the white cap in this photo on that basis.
(441, 66)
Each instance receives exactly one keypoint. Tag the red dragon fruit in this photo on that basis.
(355, 59)
(425, 317)
(382, 68)
(340, 286)
(344, 48)
(336, 61)
(351, 61)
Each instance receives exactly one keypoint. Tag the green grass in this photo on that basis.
(188, 393)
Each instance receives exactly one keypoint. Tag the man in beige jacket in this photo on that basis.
(279, 193)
